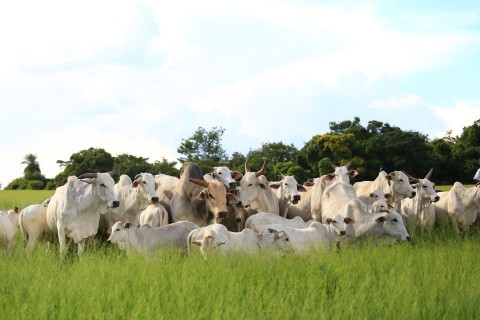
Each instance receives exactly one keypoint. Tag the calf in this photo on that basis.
(155, 215)
(145, 239)
(9, 227)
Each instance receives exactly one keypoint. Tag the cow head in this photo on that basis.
(103, 186)
(391, 223)
(426, 189)
(215, 197)
(342, 173)
(337, 224)
(289, 188)
(400, 184)
(226, 176)
(250, 186)
(147, 186)
(118, 234)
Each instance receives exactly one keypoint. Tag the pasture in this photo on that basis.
(435, 276)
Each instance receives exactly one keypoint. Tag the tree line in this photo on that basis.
(369, 148)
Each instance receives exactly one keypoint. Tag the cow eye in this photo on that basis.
(401, 180)
(287, 239)
(395, 220)
(103, 185)
(144, 182)
(117, 230)
(219, 173)
(250, 185)
(211, 197)
(424, 187)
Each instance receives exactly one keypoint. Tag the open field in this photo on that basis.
(435, 276)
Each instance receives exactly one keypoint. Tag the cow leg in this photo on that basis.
(32, 242)
(61, 239)
(81, 247)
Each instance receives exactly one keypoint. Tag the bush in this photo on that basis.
(35, 185)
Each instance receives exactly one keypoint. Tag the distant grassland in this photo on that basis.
(22, 198)
(436, 276)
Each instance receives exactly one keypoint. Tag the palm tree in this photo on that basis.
(32, 166)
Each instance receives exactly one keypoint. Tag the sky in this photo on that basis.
(138, 76)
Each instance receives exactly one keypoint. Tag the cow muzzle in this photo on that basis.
(154, 200)
(296, 198)
(115, 204)
(413, 194)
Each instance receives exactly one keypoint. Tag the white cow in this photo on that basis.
(316, 236)
(287, 192)
(155, 215)
(166, 184)
(385, 226)
(396, 184)
(340, 198)
(258, 221)
(420, 208)
(74, 209)
(216, 238)
(148, 240)
(225, 176)
(33, 224)
(6, 212)
(9, 227)
(255, 192)
(460, 205)
(134, 197)
(375, 196)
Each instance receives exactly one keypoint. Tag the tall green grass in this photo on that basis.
(436, 276)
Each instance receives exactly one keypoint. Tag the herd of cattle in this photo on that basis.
(227, 211)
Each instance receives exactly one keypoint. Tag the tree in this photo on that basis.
(89, 160)
(130, 165)
(204, 148)
(32, 168)
(165, 167)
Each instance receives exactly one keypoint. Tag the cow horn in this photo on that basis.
(202, 183)
(349, 163)
(88, 175)
(333, 166)
(281, 175)
(247, 167)
(137, 176)
(429, 174)
(262, 170)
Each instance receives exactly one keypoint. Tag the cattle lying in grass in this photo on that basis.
(257, 222)
(148, 240)
(9, 227)
(316, 236)
(216, 238)
(155, 215)
(74, 209)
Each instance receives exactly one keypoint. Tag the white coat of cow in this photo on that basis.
(134, 197)
(224, 175)
(287, 192)
(396, 184)
(155, 215)
(460, 206)
(255, 192)
(216, 238)
(74, 209)
(33, 224)
(258, 221)
(420, 208)
(9, 227)
(316, 236)
(148, 240)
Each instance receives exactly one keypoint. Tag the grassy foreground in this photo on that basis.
(434, 277)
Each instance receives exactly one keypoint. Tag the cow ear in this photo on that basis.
(88, 180)
(127, 225)
(308, 184)
(301, 188)
(329, 220)
(231, 197)
(381, 219)
(388, 196)
(109, 231)
(348, 220)
(236, 175)
(275, 185)
(202, 195)
(330, 177)
(135, 184)
(390, 176)
(261, 185)
(271, 230)
(352, 173)
(415, 185)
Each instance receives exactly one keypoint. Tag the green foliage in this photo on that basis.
(17, 184)
(35, 185)
(84, 161)
(130, 165)
(165, 167)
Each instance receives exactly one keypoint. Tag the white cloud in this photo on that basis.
(397, 103)
(463, 114)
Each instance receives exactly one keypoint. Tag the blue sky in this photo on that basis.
(138, 76)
